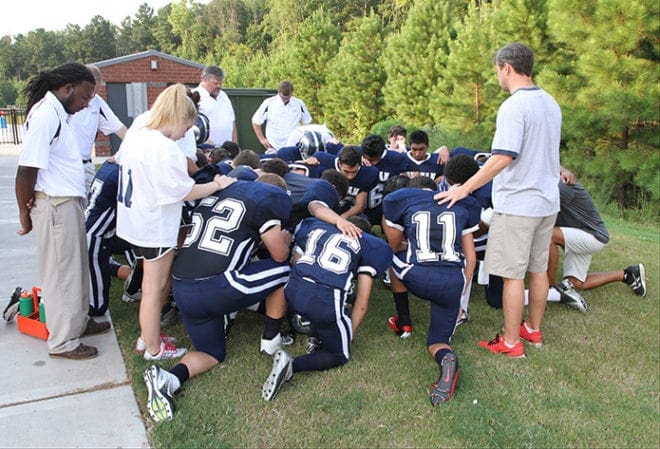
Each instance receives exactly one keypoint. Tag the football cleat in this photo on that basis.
(169, 314)
(12, 308)
(281, 372)
(386, 279)
(570, 296)
(443, 389)
(270, 347)
(313, 344)
(161, 386)
(404, 331)
(133, 284)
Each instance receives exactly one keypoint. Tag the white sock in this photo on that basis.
(553, 295)
(529, 329)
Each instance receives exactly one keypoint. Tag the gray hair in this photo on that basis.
(518, 55)
(213, 71)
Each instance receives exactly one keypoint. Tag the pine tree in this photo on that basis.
(415, 58)
(467, 95)
(308, 58)
(351, 99)
(611, 111)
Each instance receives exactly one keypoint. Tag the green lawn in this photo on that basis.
(593, 384)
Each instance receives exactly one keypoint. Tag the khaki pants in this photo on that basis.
(59, 225)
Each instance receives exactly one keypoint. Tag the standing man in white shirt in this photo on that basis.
(525, 171)
(215, 104)
(282, 113)
(88, 122)
(50, 192)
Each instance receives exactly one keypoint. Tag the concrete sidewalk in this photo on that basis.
(48, 402)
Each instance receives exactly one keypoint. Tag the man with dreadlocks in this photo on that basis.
(50, 191)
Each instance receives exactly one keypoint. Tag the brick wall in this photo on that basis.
(139, 71)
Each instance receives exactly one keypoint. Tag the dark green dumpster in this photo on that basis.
(245, 102)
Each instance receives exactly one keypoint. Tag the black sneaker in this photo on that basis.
(635, 277)
(443, 389)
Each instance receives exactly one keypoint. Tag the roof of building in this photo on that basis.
(147, 54)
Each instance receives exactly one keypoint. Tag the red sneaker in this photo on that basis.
(404, 331)
(534, 338)
(497, 346)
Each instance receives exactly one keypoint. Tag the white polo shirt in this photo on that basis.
(281, 119)
(153, 182)
(61, 171)
(220, 113)
(96, 117)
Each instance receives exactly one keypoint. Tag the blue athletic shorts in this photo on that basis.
(203, 303)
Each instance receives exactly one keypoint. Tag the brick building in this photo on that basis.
(133, 82)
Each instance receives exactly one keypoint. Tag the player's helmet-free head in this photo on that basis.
(310, 143)
(201, 128)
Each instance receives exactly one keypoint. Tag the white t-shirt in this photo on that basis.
(187, 143)
(58, 159)
(220, 113)
(529, 130)
(96, 117)
(153, 182)
(281, 119)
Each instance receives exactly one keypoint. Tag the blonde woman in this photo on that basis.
(153, 183)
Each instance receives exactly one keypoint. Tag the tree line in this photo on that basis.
(423, 63)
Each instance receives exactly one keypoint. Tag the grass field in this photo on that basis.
(594, 383)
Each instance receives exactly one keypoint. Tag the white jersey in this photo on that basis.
(153, 181)
(220, 113)
(281, 119)
(89, 121)
(187, 143)
(49, 144)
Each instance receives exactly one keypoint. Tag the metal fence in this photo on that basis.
(11, 125)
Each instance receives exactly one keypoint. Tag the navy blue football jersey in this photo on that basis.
(433, 232)
(326, 160)
(333, 148)
(304, 190)
(224, 166)
(226, 228)
(391, 163)
(428, 167)
(287, 154)
(101, 212)
(330, 258)
(243, 173)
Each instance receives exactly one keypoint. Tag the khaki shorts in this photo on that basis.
(579, 246)
(518, 244)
